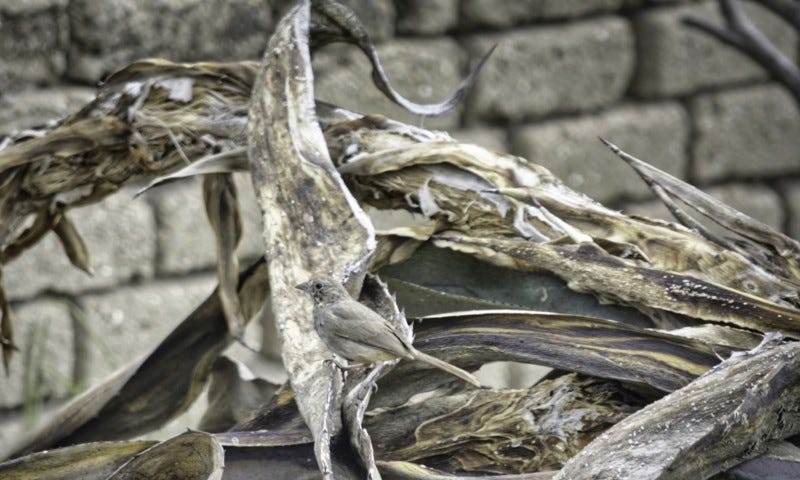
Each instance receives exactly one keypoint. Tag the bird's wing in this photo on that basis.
(358, 323)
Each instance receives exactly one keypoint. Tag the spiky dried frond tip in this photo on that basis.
(516, 214)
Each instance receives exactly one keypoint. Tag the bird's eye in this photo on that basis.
(317, 286)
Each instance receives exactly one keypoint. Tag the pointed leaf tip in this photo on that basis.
(614, 148)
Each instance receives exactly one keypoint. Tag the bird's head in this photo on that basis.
(323, 290)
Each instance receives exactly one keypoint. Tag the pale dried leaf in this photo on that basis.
(222, 209)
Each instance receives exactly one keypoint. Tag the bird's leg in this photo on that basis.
(346, 367)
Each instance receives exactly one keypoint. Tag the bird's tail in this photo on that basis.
(449, 368)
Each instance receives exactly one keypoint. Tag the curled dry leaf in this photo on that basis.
(73, 243)
(336, 22)
(222, 208)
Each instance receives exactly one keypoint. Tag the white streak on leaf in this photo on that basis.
(426, 201)
(451, 176)
(526, 229)
(400, 222)
(180, 89)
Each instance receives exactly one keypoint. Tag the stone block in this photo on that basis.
(33, 38)
(556, 69)
(424, 71)
(120, 235)
(747, 132)
(43, 367)
(674, 59)
(656, 133)
(31, 107)
(185, 239)
(107, 35)
(489, 138)
(127, 323)
(791, 194)
(426, 17)
(506, 13)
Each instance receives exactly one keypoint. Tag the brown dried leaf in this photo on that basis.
(191, 455)
(7, 345)
(222, 208)
(73, 243)
(92, 461)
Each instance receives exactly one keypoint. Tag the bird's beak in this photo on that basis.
(306, 287)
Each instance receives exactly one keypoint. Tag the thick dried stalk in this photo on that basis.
(726, 416)
(312, 224)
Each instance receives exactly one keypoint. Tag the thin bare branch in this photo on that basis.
(740, 33)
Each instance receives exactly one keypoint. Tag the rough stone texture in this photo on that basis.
(745, 132)
(791, 193)
(674, 59)
(506, 13)
(378, 16)
(185, 239)
(490, 138)
(570, 149)
(31, 107)
(426, 17)
(107, 35)
(120, 235)
(33, 39)
(538, 71)
(421, 70)
(127, 323)
(757, 201)
(43, 366)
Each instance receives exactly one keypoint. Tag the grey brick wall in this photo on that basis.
(564, 72)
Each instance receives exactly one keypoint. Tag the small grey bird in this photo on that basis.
(357, 333)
